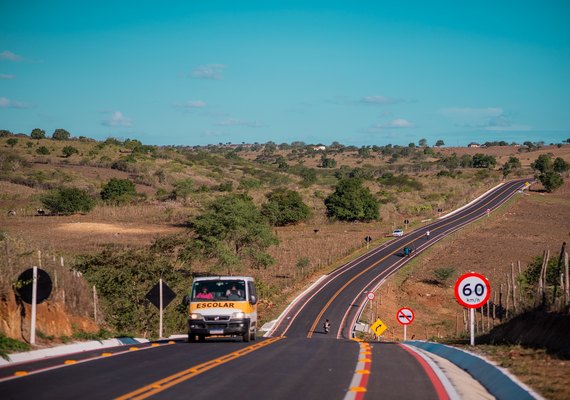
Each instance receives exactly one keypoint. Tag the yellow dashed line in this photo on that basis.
(21, 373)
(359, 389)
(69, 362)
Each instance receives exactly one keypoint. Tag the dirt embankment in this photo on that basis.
(537, 329)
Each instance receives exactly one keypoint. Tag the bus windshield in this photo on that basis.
(218, 290)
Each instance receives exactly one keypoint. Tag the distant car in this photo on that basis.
(398, 232)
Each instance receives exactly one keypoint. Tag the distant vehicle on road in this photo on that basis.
(398, 232)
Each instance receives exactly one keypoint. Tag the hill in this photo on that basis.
(175, 184)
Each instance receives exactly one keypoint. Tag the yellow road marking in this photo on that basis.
(175, 379)
(21, 373)
(68, 362)
(333, 297)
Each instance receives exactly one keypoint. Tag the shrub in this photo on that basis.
(60, 134)
(352, 202)
(68, 151)
(285, 207)
(118, 191)
(68, 201)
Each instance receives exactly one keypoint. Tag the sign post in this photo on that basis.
(472, 290)
(33, 286)
(160, 296)
(405, 316)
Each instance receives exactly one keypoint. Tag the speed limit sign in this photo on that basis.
(472, 290)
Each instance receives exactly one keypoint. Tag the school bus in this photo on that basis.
(222, 306)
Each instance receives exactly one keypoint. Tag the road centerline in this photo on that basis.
(174, 379)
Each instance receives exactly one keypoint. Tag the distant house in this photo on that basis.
(319, 148)
(473, 144)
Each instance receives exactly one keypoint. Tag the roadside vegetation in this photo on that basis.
(280, 212)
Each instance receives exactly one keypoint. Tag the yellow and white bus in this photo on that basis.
(222, 306)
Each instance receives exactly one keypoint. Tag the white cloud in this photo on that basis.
(398, 123)
(7, 103)
(191, 104)
(379, 100)
(117, 119)
(489, 118)
(502, 123)
(7, 76)
(467, 112)
(8, 55)
(238, 122)
(209, 71)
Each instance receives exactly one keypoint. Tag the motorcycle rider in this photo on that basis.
(327, 325)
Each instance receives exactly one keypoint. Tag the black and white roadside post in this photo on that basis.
(367, 239)
(33, 286)
(472, 290)
(160, 296)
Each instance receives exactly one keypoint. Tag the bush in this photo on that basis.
(118, 191)
(9, 345)
(443, 274)
(68, 201)
(352, 202)
(285, 207)
(68, 151)
(60, 134)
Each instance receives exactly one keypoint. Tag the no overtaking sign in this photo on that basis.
(405, 316)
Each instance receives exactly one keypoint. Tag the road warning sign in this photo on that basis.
(405, 316)
(378, 327)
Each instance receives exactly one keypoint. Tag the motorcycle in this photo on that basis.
(327, 326)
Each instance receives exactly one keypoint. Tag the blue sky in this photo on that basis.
(356, 72)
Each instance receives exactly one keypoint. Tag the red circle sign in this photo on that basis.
(472, 290)
(405, 316)
(370, 295)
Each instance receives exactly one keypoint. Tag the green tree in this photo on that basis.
(60, 134)
(43, 150)
(542, 164)
(351, 201)
(285, 207)
(12, 142)
(68, 151)
(309, 176)
(327, 162)
(233, 231)
(124, 276)
(484, 161)
(422, 142)
(118, 191)
(38, 133)
(439, 143)
(68, 201)
(551, 180)
(560, 165)
(548, 171)
(183, 189)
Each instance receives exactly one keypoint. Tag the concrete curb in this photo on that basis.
(496, 380)
(77, 347)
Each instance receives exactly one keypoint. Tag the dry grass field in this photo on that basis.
(519, 231)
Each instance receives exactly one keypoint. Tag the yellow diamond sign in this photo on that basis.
(378, 327)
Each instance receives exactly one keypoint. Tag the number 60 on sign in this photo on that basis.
(472, 290)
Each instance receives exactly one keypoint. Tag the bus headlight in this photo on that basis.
(195, 316)
(238, 315)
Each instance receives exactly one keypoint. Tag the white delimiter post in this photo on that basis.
(405, 333)
(160, 308)
(34, 300)
(472, 325)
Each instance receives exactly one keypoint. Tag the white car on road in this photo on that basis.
(398, 232)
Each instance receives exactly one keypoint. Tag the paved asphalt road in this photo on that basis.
(298, 361)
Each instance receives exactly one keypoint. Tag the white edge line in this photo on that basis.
(503, 370)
